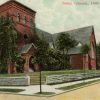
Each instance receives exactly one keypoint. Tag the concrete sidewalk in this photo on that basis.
(91, 92)
(31, 90)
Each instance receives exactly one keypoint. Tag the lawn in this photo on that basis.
(45, 93)
(77, 85)
(61, 72)
(11, 90)
(46, 73)
(12, 75)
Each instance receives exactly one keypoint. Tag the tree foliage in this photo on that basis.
(98, 55)
(42, 48)
(64, 43)
(53, 58)
(42, 52)
(8, 38)
(85, 49)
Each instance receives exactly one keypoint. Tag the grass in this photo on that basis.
(77, 85)
(12, 75)
(11, 90)
(45, 93)
(61, 72)
(46, 73)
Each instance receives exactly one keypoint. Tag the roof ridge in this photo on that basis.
(76, 29)
(42, 30)
(18, 3)
(82, 28)
(26, 47)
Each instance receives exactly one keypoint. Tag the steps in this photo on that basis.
(35, 78)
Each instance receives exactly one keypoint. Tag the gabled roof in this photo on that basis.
(10, 1)
(82, 35)
(27, 47)
(43, 34)
(75, 50)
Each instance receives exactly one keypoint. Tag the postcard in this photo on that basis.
(49, 49)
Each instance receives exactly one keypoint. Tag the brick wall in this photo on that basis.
(92, 63)
(27, 56)
(76, 61)
(12, 8)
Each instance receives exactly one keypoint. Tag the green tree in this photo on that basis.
(64, 43)
(8, 38)
(85, 49)
(54, 59)
(19, 63)
(42, 48)
(98, 55)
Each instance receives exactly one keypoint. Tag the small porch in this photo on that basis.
(28, 53)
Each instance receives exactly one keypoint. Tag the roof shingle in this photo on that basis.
(27, 47)
(82, 35)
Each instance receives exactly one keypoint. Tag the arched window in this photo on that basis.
(18, 17)
(31, 21)
(25, 19)
(25, 36)
(92, 51)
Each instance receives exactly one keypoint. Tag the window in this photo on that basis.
(86, 58)
(25, 36)
(18, 17)
(70, 59)
(92, 51)
(25, 19)
(31, 21)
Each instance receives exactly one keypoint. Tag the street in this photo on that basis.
(91, 92)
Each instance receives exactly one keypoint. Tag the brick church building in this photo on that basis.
(79, 60)
(23, 18)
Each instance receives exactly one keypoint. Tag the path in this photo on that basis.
(87, 93)
(30, 90)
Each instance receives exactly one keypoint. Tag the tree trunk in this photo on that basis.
(63, 59)
(67, 58)
(9, 66)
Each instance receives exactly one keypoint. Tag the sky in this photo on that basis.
(56, 16)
